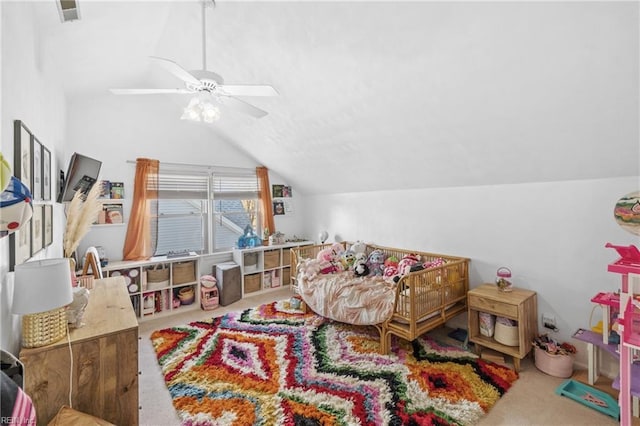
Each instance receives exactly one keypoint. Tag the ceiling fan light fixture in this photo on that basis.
(210, 113)
(199, 110)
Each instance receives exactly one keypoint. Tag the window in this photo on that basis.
(184, 219)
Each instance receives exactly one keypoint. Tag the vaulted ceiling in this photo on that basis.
(384, 95)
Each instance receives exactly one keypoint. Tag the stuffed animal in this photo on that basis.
(359, 247)
(347, 258)
(391, 261)
(390, 271)
(375, 262)
(329, 259)
(407, 261)
(360, 268)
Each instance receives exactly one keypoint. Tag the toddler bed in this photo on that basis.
(414, 300)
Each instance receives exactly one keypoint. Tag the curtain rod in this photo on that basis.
(200, 166)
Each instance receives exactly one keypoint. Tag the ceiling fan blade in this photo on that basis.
(148, 91)
(177, 70)
(242, 106)
(248, 90)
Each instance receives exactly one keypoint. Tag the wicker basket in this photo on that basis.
(184, 272)
(186, 295)
(554, 364)
(44, 328)
(157, 277)
(251, 283)
(271, 259)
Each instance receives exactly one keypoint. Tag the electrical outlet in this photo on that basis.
(549, 321)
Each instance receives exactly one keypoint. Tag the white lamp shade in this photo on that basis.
(41, 285)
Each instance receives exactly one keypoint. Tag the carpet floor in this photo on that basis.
(273, 365)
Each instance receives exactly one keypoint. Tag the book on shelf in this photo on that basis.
(112, 213)
(117, 190)
(105, 191)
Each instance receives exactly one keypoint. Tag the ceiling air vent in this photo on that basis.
(68, 10)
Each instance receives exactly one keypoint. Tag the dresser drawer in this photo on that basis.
(493, 306)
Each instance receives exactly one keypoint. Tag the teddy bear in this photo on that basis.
(375, 262)
(359, 247)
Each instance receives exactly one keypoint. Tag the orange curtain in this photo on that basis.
(138, 244)
(265, 198)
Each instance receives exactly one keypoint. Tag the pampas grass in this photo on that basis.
(80, 215)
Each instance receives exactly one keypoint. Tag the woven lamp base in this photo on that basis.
(44, 328)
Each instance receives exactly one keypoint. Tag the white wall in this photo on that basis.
(27, 94)
(551, 235)
(115, 132)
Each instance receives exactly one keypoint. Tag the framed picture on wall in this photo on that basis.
(22, 154)
(19, 246)
(36, 169)
(278, 208)
(48, 225)
(46, 174)
(37, 234)
(276, 191)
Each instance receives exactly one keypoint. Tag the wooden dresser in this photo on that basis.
(105, 361)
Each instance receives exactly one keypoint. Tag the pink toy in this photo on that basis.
(405, 264)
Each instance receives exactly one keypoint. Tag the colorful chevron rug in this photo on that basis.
(273, 365)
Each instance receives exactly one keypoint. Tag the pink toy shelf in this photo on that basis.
(629, 261)
(608, 299)
(629, 323)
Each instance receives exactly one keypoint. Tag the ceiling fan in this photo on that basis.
(207, 86)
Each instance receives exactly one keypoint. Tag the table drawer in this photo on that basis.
(493, 306)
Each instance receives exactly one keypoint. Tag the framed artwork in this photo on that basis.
(48, 225)
(37, 227)
(36, 169)
(278, 208)
(20, 246)
(22, 157)
(46, 174)
(276, 191)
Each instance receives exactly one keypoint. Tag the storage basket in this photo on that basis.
(250, 261)
(184, 272)
(554, 364)
(487, 323)
(186, 295)
(271, 259)
(44, 328)
(251, 283)
(157, 277)
(286, 273)
(506, 334)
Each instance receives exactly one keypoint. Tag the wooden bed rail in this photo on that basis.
(424, 299)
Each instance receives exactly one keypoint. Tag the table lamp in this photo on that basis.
(42, 290)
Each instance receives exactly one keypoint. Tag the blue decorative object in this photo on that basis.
(249, 238)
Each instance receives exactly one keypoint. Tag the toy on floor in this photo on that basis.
(589, 396)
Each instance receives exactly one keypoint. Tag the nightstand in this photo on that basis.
(519, 304)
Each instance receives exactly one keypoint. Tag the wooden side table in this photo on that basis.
(104, 372)
(519, 304)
